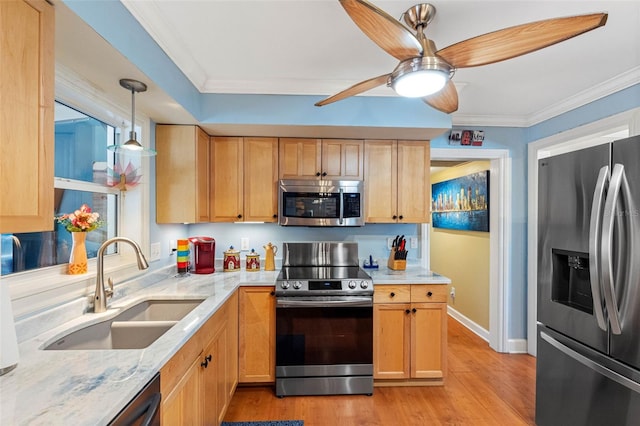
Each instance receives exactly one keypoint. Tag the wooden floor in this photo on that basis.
(483, 387)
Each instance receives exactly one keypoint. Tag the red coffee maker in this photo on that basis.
(203, 255)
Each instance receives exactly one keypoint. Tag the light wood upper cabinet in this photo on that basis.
(257, 334)
(397, 181)
(27, 118)
(182, 190)
(244, 179)
(321, 158)
(410, 333)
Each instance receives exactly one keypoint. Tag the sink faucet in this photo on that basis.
(100, 298)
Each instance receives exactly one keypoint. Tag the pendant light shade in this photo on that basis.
(132, 145)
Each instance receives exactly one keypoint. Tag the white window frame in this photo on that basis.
(46, 287)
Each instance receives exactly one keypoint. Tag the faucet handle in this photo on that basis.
(109, 291)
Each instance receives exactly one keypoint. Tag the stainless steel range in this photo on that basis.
(324, 321)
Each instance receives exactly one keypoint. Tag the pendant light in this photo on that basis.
(132, 146)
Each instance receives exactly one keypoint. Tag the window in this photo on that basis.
(84, 174)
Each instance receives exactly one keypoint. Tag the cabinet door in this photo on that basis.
(342, 159)
(182, 405)
(261, 179)
(226, 179)
(391, 341)
(26, 121)
(428, 340)
(182, 190)
(414, 182)
(300, 158)
(380, 181)
(202, 176)
(232, 345)
(257, 331)
(214, 371)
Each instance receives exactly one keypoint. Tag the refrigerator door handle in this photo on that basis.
(595, 237)
(618, 180)
(610, 374)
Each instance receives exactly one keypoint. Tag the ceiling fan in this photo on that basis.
(426, 72)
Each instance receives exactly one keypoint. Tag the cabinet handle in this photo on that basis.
(429, 294)
(324, 173)
(392, 294)
(401, 217)
(275, 216)
(207, 360)
(407, 312)
(239, 216)
(394, 217)
(318, 174)
(273, 293)
(414, 310)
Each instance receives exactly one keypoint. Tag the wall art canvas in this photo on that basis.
(461, 203)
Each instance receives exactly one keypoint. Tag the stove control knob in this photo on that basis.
(352, 285)
(364, 284)
(285, 285)
(297, 285)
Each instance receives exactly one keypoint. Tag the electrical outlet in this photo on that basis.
(452, 293)
(172, 247)
(154, 254)
(414, 242)
(244, 244)
(389, 242)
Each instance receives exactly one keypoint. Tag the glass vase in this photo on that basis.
(78, 258)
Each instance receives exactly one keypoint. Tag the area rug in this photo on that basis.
(267, 423)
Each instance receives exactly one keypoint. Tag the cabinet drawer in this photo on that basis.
(392, 294)
(429, 293)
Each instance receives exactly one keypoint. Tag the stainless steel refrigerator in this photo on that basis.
(588, 361)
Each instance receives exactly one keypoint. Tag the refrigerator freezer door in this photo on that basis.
(579, 386)
(566, 185)
(626, 254)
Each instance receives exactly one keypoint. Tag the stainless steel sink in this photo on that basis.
(134, 328)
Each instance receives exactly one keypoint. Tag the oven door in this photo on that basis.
(324, 336)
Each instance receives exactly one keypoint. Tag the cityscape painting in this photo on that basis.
(461, 203)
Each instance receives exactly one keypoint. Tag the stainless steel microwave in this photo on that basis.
(321, 203)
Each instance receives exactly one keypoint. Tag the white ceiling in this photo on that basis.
(313, 47)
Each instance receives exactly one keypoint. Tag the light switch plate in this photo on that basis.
(244, 244)
(414, 242)
(155, 251)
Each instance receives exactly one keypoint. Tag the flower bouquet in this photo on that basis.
(79, 223)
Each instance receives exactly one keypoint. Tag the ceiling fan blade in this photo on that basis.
(519, 40)
(363, 86)
(446, 100)
(385, 31)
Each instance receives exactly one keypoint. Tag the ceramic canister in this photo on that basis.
(253, 261)
(231, 260)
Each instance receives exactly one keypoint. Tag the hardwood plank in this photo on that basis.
(482, 387)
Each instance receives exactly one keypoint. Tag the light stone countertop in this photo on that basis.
(90, 387)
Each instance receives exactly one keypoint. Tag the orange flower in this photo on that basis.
(81, 220)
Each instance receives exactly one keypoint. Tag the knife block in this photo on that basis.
(395, 264)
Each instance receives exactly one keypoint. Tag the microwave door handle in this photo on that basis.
(595, 236)
(617, 180)
(341, 220)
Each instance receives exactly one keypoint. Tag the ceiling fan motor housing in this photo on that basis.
(439, 74)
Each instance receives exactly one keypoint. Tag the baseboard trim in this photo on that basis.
(471, 325)
(514, 346)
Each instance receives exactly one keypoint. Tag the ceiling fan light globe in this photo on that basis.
(418, 84)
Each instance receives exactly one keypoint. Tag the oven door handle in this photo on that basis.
(297, 302)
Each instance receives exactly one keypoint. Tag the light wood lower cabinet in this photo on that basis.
(410, 334)
(257, 335)
(198, 381)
